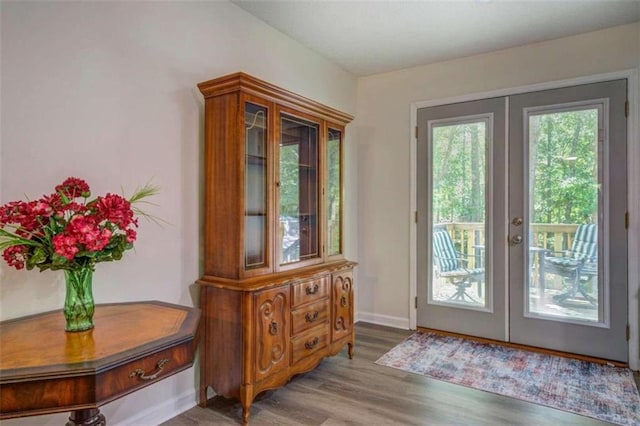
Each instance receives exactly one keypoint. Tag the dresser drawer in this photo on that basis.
(309, 316)
(309, 291)
(309, 342)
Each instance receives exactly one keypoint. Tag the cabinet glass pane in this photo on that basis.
(298, 190)
(255, 214)
(334, 203)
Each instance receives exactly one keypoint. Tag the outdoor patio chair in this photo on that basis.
(577, 266)
(453, 266)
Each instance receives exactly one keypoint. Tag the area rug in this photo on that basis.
(589, 389)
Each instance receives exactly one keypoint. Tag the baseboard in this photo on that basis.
(388, 320)
(162, 412)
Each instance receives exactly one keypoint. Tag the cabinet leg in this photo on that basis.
(87, 417)
(246, 411)
(203, 397)
(350, 350)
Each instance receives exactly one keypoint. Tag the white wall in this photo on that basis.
(107, 92)
(383, 125)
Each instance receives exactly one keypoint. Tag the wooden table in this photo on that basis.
(45, 370)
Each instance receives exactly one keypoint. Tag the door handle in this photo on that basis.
(516, 239)
(517, 221)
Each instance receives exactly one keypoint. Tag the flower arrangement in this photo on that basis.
(68, 231)
(59, 232)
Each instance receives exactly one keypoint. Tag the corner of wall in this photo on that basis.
(386, 320)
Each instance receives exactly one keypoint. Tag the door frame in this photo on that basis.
(633, 181)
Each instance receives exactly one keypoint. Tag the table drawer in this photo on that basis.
(89, 390)
(309, 342)
(145, 371)
(309, 291)
(309, 316)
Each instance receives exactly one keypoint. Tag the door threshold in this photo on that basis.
(528, 348)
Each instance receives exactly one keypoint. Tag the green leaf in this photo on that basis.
(146, 191)
(39, 255)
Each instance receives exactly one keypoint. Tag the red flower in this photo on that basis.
(59, 228)
(16, 256)
(10, 212)
(65, 246)
(54, 200)
(131, 235)
(80, 225)
(102, 240)
(30, 216)
(85, 230)
(41, 208)
(73, 187)
(116, 210)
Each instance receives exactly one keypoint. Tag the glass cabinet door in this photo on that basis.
(334, 200)
(298, 184)
(255, 214)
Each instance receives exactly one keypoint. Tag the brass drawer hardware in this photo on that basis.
(142, 375)
(311, 290)
(309, 317)
(312, 343)
(273, 328)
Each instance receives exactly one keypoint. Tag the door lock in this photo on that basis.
(517, 221)
(516, 239)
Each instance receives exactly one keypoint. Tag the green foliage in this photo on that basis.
(562, 176)
(459, 164)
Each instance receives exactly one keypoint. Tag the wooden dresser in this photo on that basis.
(277, 293)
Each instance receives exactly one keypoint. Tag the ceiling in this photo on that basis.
(371, 37)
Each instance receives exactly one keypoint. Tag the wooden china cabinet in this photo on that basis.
(277, 293)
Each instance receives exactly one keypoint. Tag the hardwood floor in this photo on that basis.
(359, 392)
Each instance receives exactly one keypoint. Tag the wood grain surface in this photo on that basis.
(130, 326)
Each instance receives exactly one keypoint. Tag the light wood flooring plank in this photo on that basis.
(359, 392)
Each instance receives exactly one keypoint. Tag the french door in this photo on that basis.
(462, 151)
(521, 219)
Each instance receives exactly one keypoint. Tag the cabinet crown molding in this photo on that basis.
(246, 83)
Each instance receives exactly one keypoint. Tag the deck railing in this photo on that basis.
(468, 237)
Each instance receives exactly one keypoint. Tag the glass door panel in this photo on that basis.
(564, 206)
(459, 152)
(334, 201)
(298, 183)
(255, 214)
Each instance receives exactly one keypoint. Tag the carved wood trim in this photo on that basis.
(249, 84)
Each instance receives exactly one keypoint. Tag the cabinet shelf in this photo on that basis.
(257, 160)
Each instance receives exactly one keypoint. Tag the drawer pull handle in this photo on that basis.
(343, 301)
(142, 375)
(312, 343)
(273, 328)
(311, 290)
(311, 317)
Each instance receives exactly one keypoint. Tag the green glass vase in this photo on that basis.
(78, 302)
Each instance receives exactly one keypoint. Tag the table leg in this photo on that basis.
(87, 417)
